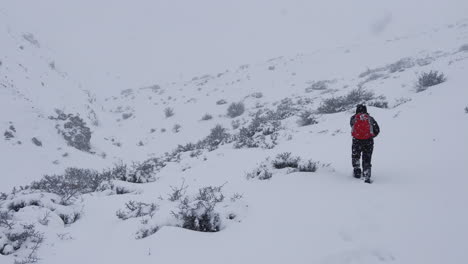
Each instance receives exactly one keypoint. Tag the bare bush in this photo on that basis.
(429, 79)
(73, 183)
(466, 109)
(177, 192)
(135, 209)
(235, 109)
(6, 219)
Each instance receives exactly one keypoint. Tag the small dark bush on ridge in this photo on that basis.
(307, 118)
(466, 109)
(217, 136)
(343, 103)
(168, 112)
(206, 117)
(235, 109)
(429, 79)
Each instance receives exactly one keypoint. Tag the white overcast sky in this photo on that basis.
(145, 41)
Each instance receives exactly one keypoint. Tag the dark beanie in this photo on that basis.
(361, 109)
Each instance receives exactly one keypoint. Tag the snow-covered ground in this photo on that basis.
(413, 213)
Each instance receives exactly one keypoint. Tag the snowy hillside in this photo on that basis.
(150, 168)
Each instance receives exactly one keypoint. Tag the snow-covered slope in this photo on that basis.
(412, 214)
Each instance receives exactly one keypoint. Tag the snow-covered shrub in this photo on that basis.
(116, 187)
(206, 117)
(286, 160)
(135, 209)
(199, 214)
(257, 95)
(144, 172)
(262, 172)
(343, 103)
(261, 132)
(20, 237)
(306, 118)
(74, 130)
(146, 231)
(70, 218)
(217, 136)
(10, 132)
(176, 128)
(221, 102)
(235, 109)
(463, 48)
(168, 112)
(73, 183)
(286, 108)
(401, 65)
(177, 192)
(308, 166)
(6, 219)
(429, 79)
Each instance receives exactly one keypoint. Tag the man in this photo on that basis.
(364, 130)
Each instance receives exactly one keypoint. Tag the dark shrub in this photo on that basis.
(221, 102)
(36, 142)
(427, 80)
(72, 184)
(217, 136)
(308, 166)
(307, 118)
(343, 103)
(137, 209)
(199, 214)
(74, 130)
(463, 48)
(235, 109)
(262, 172)
(207, 117)
(168, 112)
(285, 160)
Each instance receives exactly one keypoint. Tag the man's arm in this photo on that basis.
(375, 127)
(352, 120)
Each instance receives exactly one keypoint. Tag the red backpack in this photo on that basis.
(362, 128)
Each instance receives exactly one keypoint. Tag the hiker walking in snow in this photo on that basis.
(364, 130)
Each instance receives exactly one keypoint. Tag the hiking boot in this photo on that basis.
(357, 173)
(367, 175)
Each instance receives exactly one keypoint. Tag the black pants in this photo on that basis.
(363, 147)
